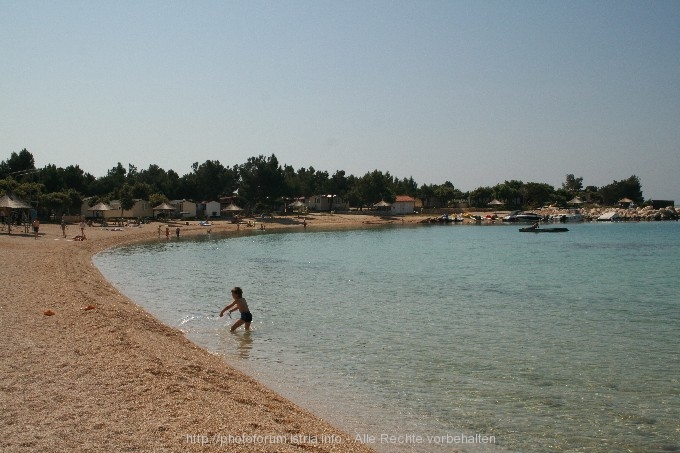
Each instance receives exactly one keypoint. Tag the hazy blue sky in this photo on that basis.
(473, 92)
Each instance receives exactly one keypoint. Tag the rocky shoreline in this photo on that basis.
(636, 214)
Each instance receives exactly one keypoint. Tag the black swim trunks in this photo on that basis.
(246, 316)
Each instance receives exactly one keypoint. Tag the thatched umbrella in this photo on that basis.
(495, 203)
(232, 209)
(100, 208)
(625, 202)
(164, 207)
(298, 206)
(8, 203)
(382, 205)
(575, 200)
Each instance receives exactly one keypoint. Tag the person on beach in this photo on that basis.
(241, 305)
(63, 227)
(36, 227)
(82, 227)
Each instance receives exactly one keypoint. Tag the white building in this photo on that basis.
(403, 205)
(184, 208)
(210, 208)
(326, 203)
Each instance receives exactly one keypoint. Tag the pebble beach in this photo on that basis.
(86, 369)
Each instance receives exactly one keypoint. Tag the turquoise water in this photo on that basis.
(548, 342)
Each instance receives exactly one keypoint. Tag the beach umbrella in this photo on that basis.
(100, 208)
(575, 200)
(625, 202)
(382, 205)
(9, 202)
(297, 205)
(232, 209)
(495, 203)
(164, 207)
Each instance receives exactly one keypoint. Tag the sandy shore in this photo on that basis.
(113, 378)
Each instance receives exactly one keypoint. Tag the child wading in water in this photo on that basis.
(241, 305)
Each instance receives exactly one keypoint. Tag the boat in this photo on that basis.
(610, 216)
(574, 215)
(444, 218)
(543, 230)
(522, 217)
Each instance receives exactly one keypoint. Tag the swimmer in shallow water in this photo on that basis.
(241, 305)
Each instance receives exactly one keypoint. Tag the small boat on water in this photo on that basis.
(543, 230)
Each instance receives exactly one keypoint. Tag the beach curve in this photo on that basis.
(85, 368)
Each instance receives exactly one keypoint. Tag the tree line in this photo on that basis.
(262, 184)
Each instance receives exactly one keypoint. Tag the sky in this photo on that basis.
(471, 92)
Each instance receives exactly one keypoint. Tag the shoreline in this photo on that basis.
(113, 377)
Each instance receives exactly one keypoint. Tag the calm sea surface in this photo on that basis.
(547, 342)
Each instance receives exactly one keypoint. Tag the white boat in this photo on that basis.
(610, 216)
(574, 215)
(522, 217)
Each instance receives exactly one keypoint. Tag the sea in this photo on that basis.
(441, 337)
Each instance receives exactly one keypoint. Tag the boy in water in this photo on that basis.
(241, 305)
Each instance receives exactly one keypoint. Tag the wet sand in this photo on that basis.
(101, 374)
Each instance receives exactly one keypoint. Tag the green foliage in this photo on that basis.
(17, 164)
(536, 194)
(141, 191)
(59, 203)
(572, 184)
(628, 188)
(509, 193)
(160, 181)
(481, 196)
(374, 187)
(29, 192)
(447, 193)
(156, 199)
(7, 185)
(209, 181)
(126, 199)
(262, 185)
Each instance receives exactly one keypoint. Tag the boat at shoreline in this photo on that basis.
(543, 230)
(522, 217)
(574, 215)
